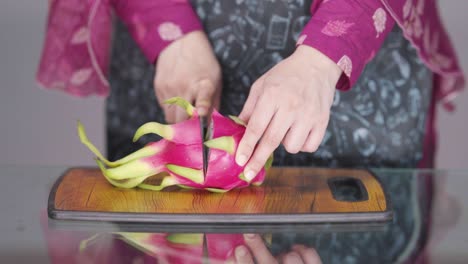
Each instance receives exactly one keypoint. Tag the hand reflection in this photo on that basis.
(255, 251)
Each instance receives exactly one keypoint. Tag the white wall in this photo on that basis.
(38, 127)
(453, 135)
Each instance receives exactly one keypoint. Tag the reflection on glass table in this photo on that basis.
(125, 247)
(428, 226)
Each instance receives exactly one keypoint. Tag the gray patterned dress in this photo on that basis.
(379, 123)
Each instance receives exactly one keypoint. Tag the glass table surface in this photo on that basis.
(429, 225)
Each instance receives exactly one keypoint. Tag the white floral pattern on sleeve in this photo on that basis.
(80, 36)
(346, 65)
(336, 28)
(169, 31)
(81, 76)
(380, 18)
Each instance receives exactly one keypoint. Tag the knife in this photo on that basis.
(205, 131)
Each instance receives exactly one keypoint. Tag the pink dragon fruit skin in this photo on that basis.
(181, 133)
(179, 154)
(223, 126)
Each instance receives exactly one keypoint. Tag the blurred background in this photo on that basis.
(39, 127)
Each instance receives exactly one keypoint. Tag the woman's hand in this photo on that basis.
(188, 68)
(289, 104)
(255, 251)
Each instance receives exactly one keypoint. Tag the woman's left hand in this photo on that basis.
(289, 104)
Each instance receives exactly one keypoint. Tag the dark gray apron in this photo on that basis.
(379, 123)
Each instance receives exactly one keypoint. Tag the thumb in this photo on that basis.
(204, 100)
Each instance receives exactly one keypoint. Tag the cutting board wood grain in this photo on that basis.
(288, 195)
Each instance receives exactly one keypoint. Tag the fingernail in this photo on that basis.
(241, 251)
(249, 175)
(202, 111)
(241, 159)
(249, 236)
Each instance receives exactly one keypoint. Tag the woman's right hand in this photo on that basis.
(255, 251)
(188, 68)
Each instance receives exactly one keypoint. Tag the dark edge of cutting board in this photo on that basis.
(215, 219)
(93, 226)
(51, 210)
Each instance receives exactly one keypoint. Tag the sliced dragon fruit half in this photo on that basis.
(180, 154)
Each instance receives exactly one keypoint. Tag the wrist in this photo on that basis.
(178, 46)
(319, 62)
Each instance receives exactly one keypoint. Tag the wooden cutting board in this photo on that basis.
(288, 195)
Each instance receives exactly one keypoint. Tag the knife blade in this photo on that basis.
(205, 134)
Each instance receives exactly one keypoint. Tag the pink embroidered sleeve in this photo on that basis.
(155, 24)
(75, 56)
(349, 32)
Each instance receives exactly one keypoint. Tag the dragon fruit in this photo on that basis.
(172, 248)
(185, 248)
(179, 155)
(167, 248)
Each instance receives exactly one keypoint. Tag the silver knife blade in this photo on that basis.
(204, 136)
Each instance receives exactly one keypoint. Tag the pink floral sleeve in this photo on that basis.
(349, 32)
(75, 56)
(155, 24)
